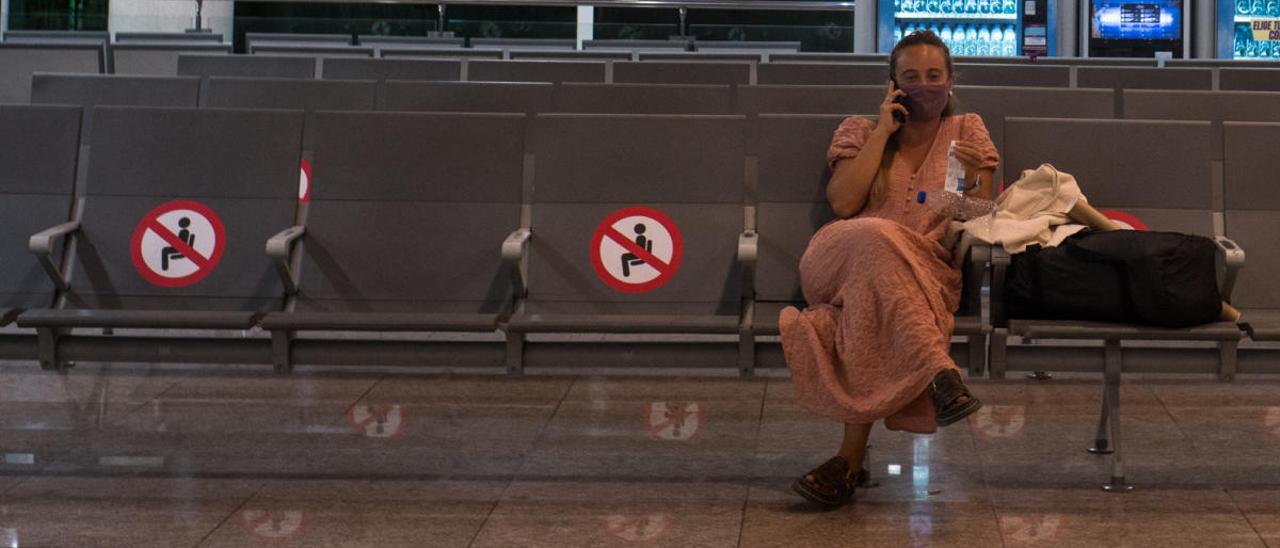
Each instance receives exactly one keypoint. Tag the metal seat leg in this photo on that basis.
(1111, 401)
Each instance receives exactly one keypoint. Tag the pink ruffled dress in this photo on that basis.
(882, 294)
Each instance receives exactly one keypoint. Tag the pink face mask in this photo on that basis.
(925, 101)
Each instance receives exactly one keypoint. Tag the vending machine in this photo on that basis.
(986, 28)
(1138, 28)
(1248, 29)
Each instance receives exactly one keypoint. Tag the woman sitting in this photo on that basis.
(874, 342)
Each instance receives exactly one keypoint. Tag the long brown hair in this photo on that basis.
(880, 188)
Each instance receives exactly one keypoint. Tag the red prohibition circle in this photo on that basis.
(211, 262)
(304, 193)
(664, 274)
(1117, 215)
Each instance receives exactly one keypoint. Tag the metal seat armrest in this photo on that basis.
(748, 247)
(1231, 256)
(978, 269)
(999, 267)
(279, 249)
(748, 254)
(514, 249)
(41, 245)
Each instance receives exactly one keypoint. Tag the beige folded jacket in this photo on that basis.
(1031, 211)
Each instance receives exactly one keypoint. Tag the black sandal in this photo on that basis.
(833, 483)
(948, 393)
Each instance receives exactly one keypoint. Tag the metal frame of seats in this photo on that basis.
(91, 90)
(427, 52)
(990, 74)
(241, 163)
(789, 99)
(393, 243)
(352, 68)
(524, 43)
(638, 45)
(37, 180)
(18, 61)
(589, 166)
(380, 42)
(532, 98)
(556, 72)
(1252, 217)
(718, 46)
(1125, 77)
(1249, 79)
(574, 97)
(285, 38)
(284, 93)
(313, 50)
(1110, 158)
(156, 57)
(247, 66)
(689, 72)
(808, 73)
(168, 37)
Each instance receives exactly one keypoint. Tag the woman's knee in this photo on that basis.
(863, 232)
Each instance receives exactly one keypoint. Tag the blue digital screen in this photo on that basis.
(1137, 19)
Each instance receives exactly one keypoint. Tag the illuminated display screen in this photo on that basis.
(1137, 19)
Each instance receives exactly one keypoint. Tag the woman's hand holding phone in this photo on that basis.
(892, 112)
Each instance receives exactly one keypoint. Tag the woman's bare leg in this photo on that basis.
(853, 447)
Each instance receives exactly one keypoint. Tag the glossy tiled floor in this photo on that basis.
(139, 457)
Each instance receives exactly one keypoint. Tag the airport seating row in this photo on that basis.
(407, 229)
(18, 60)
(993, 103)
(1209, 198)
(119, 167)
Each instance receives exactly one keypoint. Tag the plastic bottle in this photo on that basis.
(1010, 41)
(947, 37)
(897, 34)
(956, 206)
(1010, 7)
(997, 40)
(971, 35)
(984, 40)
(1273, 8)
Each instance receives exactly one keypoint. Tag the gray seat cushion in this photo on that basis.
(382, 321)
(765, 319)
(626, 323)
(156, 319)
(1264, 323)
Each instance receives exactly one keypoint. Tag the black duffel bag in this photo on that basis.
(1160, 278)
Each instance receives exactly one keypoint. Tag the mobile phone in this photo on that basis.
(897, 114)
